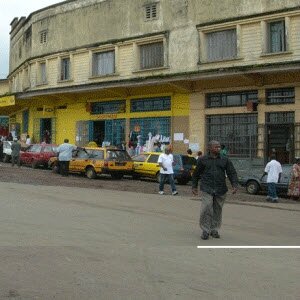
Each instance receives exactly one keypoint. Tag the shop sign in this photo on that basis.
(7, 101)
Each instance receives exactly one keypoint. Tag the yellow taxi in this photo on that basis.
(93, 161)
(146, 165)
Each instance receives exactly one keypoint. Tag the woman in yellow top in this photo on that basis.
(294, 185)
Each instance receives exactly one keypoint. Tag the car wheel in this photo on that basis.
(6, 158)
(90, 173)
(116, 176)
(182, 181)
(252, 187)
(34, 164)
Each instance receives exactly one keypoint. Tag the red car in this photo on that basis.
(38, 155)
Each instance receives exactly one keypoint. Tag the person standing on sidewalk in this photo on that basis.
(166, 161)
(274, 170)
(64, 156)
(211, 169)
(15, 152)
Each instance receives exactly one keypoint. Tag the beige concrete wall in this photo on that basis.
(4, 86)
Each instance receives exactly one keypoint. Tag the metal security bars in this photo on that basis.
(152, 55)
(237, 132)
(108, 107)
(150, 104)
(280, 96)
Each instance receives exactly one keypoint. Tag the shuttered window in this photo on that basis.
(221, 45)
(65, 69)
(152, 55)
(104, 63)
(43, 73)
(277, 39)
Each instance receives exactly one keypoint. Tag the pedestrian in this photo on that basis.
(166, 162)
(10, 137)
(28, 140)
(211, 169)
(273, 169)
(294, 184)
(189, 152)
(64, 156)
(223, 151)
(15, 152)
(199, 154)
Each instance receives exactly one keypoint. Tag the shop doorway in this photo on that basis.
(280, 139)
(46, 130)
(98, 132)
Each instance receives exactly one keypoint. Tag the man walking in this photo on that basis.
(15, 152)
(211, 169)
(64, 157)
(166, 161)
(274, 170)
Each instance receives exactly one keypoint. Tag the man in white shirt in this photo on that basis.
(166, 162)
(274, 170)
(64, 156)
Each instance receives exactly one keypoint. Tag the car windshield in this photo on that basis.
(118, 154)
(34, 148)
(97, 154)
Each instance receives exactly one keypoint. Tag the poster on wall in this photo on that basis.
(178, 136)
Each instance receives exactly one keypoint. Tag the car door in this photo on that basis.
(139, 163)
(79, 161)
(151, 165)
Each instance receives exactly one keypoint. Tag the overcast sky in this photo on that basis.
(9, 9)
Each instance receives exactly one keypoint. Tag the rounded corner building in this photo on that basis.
(142, 72)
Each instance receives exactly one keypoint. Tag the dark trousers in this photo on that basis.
(164, 178)
(64, 168)
(15, 159)
(272, 193)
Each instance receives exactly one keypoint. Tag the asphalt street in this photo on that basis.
(77, 243)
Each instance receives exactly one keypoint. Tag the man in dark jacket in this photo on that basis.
(15, 152)
(212, 170)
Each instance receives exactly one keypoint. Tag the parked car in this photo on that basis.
(93, 161)
(146, 165)
(38, 155)
(254, 184)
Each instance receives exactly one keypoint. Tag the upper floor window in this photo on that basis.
(230, 99)
(103, 63)
(276, 36)
(65, 73)
(42, 73)
(280, 96)
(151, 11)
(151, 55)
(150, 104)
(221, 45)
(43, 36)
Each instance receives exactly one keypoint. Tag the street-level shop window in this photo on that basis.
(230, 99)
(280, 96)
(108, 107)
(151, 55)
(238, 132)
(103, 63)
(221, 45)
(150, 104)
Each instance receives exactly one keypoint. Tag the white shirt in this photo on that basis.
(65, 151)
(167, 162)
(273, 168)
(28, 141)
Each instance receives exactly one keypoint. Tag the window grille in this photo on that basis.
(152, 55)
(151, 11)
(150, 104)
(238, 132)
(230, 99)
(115, 131)
(103, 63)
(221, 45)
(108, 107)
(280, 96)
(277, 38)
(65, 69)
(155, 126)
(280, 118)
(43, 37)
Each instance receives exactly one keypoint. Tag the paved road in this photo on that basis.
(76, 243)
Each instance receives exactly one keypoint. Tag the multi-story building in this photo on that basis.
(5, 101)
(184, 71)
